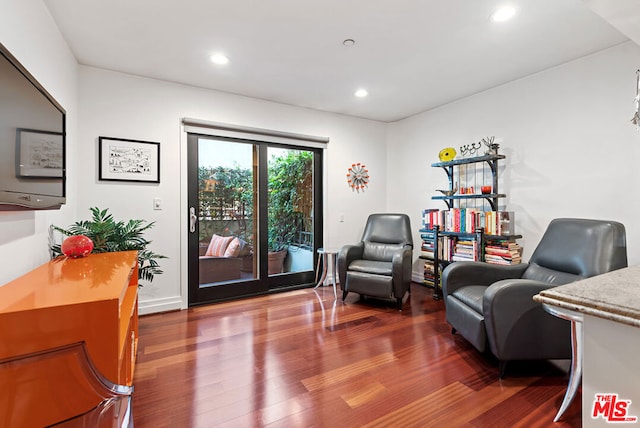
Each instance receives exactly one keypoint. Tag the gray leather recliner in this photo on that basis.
(380, 265)
(493, 304)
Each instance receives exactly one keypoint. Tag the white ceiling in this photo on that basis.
(411, 55)
(622, 14)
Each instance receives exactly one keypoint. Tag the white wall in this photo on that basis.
(119, 105)
(29, 33)
(571, 149)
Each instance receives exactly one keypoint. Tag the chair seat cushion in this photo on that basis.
(471, 295)
(371, 266)
(369, 284)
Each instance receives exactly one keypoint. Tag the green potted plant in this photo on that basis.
(289, 176)
(109, 235)
(225, 190)
(225, 194)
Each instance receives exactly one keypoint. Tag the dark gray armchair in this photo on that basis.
(380, 265)
(493, 304)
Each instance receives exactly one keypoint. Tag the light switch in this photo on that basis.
(157, 203)
(341, 219)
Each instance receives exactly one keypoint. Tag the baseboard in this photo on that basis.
(417, 277)
(159, 305)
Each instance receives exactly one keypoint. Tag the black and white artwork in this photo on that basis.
(39, 154)
(128, 160)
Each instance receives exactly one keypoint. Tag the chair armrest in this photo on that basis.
(518, 327)
(460, 274)
(401, 266)
(401, 259)
(347, 254)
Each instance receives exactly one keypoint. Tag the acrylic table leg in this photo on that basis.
(317, 268)
(575, 376)
(576, 368)
(324, 270)
(334, 260)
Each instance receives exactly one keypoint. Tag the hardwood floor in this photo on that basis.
(301, 359)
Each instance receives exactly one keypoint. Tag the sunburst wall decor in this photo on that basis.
(358, 177)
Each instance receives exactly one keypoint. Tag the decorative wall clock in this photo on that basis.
(358, 177)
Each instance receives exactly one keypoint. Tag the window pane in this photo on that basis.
(290, 209)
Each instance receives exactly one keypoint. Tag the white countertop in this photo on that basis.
(614, 296)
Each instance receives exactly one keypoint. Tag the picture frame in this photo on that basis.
(121, 159)
(39, 154)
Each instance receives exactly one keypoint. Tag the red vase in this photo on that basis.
(77, 246)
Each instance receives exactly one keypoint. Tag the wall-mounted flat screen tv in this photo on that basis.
(32, 141)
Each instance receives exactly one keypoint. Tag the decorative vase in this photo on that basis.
(447, 154)
(77, 246)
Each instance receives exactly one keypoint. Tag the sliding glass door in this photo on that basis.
(255, 217)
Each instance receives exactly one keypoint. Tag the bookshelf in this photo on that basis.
(464, 232)
(458, 171)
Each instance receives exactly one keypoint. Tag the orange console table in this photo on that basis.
(68, 338)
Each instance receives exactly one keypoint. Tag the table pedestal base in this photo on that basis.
(328, 257)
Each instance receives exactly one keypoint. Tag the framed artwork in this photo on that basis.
(39, 154)
(120, 159)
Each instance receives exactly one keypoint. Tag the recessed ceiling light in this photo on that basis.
(219, 59)
(348, 42)
(361, 93)
(503, 14)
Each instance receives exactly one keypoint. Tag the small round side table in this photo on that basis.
(328, 256)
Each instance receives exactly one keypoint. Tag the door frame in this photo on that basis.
(219, 129)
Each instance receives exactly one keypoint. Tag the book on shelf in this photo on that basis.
(446, 248)
(465, 250)
(427, 248)
(427, 234)
(462, 258)
(502, 260)
(468, 220)
(427, 254)
(503, 248)
(466, 245)
(427, 217)
(429, 270)
(503, 252)
(429, 274)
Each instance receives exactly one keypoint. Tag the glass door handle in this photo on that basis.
(193, 219)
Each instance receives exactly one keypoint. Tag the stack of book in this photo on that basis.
(465, 250)
(429, 273)
(503, 253)
(427, 247)
(426, 250)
